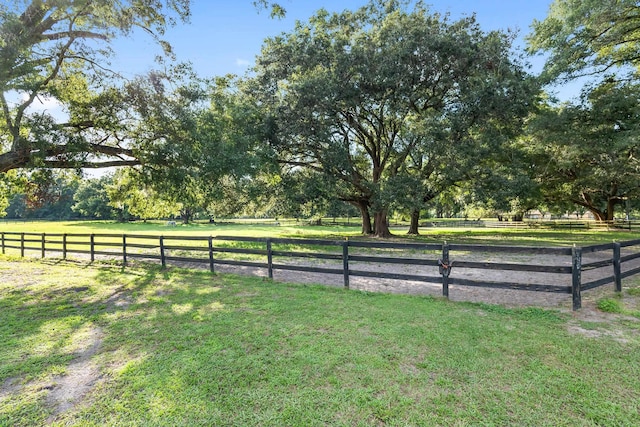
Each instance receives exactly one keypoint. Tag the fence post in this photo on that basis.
(345, 262)
(3, 243)
(616, 266)
(22, 245)
(211, 267)
(576, 266)
(124, 250)
(445, 269)
(43, 239)
(64, 246)
(163, 260)
(269, 258)
(92, 244)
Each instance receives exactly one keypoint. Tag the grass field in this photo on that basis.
(534, 237)
(95, 344)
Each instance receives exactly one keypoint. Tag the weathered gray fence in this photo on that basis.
(261, 252)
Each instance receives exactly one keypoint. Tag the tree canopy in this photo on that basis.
(588, 37)
(585, 152)
(60, 50)
(347, 92)
(588, 154)
(389, 108)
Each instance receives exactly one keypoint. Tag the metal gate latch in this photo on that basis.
(444, 268)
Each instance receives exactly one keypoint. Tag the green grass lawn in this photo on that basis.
(533, 237)
(94, 344)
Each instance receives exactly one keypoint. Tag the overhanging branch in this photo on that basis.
(65, 164)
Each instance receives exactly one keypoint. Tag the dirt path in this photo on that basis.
(68, 390)
(505, 297)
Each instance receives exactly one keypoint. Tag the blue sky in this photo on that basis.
(225, 36)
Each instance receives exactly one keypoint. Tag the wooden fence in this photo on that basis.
(357, 258)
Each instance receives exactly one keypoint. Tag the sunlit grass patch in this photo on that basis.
(610, 305)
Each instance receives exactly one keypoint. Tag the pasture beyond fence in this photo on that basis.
(446, 264)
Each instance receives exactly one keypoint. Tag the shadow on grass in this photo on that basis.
(151, 225)
(48, 313)
(45, 319)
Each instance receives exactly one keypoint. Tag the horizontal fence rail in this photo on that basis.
(346, 258)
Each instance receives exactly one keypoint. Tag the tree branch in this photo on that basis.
(65, 164)
(75, 34)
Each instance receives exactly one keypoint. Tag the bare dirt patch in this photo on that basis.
(616, 335)
(119, 299)
(506, 297)
(513, 298)
(8, 387)
(63, 393)
(82, 374)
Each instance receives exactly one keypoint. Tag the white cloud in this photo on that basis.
(242, 62)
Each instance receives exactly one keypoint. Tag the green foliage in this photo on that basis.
(586, 154)
(298, 193)
(10, 184)
(275, 9)
(194, 137)
(387, 92)
(44, 194)
(588, 36)
(91, 199)
(55, 50)
(127, 193)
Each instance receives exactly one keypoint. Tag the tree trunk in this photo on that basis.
(363, 206)
(186, 215)
(415, 222)
(381, 224)
(611, 206)
(598, 214)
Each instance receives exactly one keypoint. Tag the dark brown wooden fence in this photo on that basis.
(610, 262)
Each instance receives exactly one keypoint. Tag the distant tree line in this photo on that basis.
(65, 195)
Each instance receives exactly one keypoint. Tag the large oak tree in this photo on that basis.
(346, 93)
(60, 50)
(589, 154)
(587, 150)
